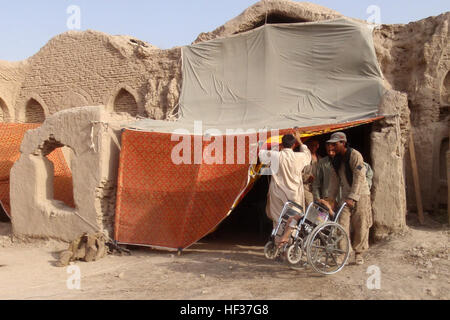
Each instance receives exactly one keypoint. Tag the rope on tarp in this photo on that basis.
(266, 9)
(265, 5)
(92, 145)
(173, 115)
(108, 129)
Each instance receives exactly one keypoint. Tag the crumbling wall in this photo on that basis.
(11, 78)
(448, 180)
(76, 69)
(271, 11)
(388, 141)
(88, 132)
(415, 60)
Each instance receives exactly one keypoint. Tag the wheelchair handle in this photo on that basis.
(336, 219)
(296, 205)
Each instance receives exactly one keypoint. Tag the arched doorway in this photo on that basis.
(34, 112)
(125, 102)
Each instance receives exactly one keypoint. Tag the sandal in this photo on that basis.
(359, 260)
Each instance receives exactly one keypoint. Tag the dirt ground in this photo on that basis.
(414, 265)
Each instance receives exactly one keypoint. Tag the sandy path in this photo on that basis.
(413, 266)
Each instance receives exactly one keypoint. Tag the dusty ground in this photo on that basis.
(414, 265)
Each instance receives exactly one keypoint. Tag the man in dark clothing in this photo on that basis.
(350, 173)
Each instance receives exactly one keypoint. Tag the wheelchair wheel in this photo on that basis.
(294, 253)
(270, 250)
(328, 248)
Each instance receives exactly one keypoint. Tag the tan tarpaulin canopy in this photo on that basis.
(280, 76)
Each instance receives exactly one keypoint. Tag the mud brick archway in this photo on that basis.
(125, 102)
(35, 211)
(34, 112)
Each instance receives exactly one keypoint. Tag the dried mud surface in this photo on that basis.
(414, 265)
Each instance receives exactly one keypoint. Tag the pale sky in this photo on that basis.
(26, 25)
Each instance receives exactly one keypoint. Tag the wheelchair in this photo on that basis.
(316, 235)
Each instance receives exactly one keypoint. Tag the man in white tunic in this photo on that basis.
(286, 166)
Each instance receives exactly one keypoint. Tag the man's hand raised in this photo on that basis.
(298, 136)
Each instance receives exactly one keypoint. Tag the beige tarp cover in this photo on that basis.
(280, 76)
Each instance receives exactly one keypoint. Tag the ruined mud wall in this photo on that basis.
(271, 11)
(415, 60)
(387, 143)
(91, 68)
(12, 75)
(88, 133)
